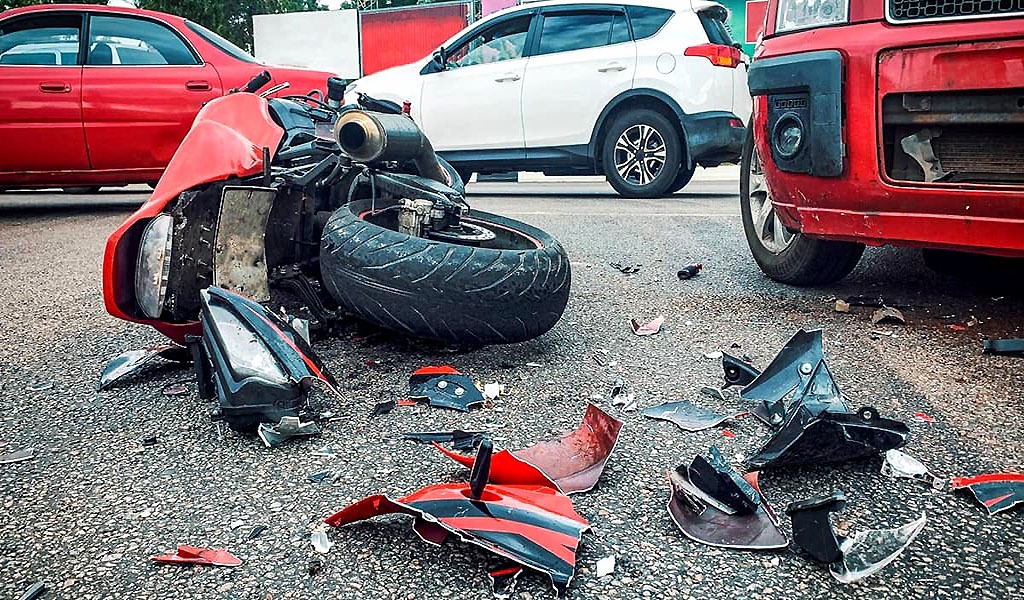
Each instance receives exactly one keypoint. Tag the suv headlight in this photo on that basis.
(804, 14)
(154, 265)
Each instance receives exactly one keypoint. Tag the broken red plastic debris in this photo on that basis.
(996, 491)
(406, 402)
(650, 328)
(572, 463)
(535, 526)
(194, 555)
(728, 434)
(920, 416)
(958, 328)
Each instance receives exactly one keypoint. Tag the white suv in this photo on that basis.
(641, 91)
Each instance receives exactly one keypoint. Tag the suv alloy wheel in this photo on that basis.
(641, 154)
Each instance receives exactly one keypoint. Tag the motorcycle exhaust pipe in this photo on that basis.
(368, 137)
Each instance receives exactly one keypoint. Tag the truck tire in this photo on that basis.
(785, 256)
(512, 290)
(641, 154)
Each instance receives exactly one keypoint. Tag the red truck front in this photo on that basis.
(885, 122)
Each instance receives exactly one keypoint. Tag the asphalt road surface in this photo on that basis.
(87, 513)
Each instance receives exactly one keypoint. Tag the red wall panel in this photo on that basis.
(395, 37)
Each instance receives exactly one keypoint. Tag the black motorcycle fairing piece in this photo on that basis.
(133, 361)
(737, 371)
(263, 369)
(714, 476)
(444, 387)
(812, 528)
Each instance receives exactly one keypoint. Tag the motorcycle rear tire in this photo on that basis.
(514, 290)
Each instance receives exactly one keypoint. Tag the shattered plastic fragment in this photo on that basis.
(996, 491)
(326, 452)
(17, 456)
(650, 328)
(887, 314)
(318, 477)
(175, 389)
(444, 387)
(842, 305)
(899, 464)
(714, 392)
(256, 531)
(39, 386)
(849, 558)
(920, 416)
(289, 427)
(321, 543)
(36, 590)
(605, 566)
(728, 433)
(714, 354)
(572, 463)
(193, 555)
(737, 371)
(504, 580)
(134, 360)
(383, 408)
(706, 519)
(536, 526)
(686, 415)
(689, 271)
(460, 440)
(626, 267)
(492, 390)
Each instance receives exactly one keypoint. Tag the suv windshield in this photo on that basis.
(225, 46)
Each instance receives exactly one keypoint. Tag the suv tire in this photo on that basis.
(656, 150)
(682, 179)
(782, 255)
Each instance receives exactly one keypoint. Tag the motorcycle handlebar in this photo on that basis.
(257, 82)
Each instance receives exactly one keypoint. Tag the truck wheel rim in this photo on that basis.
(769, 228)
(640, 154)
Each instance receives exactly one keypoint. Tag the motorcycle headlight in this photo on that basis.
(804, 14)
(154, 265)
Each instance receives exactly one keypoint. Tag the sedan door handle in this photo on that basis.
(55, 87)
(612, 67)
(507, 77)
(198, 86)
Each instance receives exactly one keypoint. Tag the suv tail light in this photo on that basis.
(719, 54)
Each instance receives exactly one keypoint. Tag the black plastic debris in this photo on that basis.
(18, 456)
(849, 558)
(737, 371)
(383, 408)
(444, 387)
(36, 590)
(798, 396)
(687, 415)
(1003, 346)
(256, 531)
(996, 491)
(133, 361)
(625, 267)
(319, 477)
(888, 314)
(617, 387)
(151, 440)
(460, 440)
(689, 271)
(274, 435)
(712, 504)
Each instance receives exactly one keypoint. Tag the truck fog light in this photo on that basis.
(788, 136)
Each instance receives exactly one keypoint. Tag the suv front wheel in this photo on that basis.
(641, 154)
(783, 255)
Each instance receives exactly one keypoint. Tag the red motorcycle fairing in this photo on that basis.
(226, 140)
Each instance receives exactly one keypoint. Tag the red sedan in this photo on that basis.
(99, 95)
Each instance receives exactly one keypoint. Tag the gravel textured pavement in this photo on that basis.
(87, 513)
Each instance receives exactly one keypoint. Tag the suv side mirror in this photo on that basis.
(441, 59)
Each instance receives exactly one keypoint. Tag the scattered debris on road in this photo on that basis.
(383, 408)
(605, 566)
(133, 361)
(444, 387)
(851, 558)
(34, 591)
(459, 439)
(713, 504)
(689, 271)
(504, 580)
(175, 389)
(737, 371)
(920, 416)
(39, 386)
(17, 456)
(273, 435)
(687, 415)
(649, 328)
(842, 306)
(887, 314)
(194, 555)
(996, 491)
(320, 542)
(626, 267)
(899, 464)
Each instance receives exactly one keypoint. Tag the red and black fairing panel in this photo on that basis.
(996, 491)
(572, 463)
(261, 368)
(444, 387)
(535, 526)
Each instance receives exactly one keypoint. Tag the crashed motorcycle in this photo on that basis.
(278, 214)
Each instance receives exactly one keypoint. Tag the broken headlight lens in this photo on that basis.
(154, 265)
(804, 14)
(246, 354)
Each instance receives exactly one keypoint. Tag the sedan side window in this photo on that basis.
(42, 40)
(130, 41)
(504, 41)
(563, 32)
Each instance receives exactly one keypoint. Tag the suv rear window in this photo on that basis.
(646, 20)
(713, 20)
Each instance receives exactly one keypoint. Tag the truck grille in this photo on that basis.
(909, 11)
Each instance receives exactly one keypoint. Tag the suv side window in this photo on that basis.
(565, 31)
(646, 20)
(503, 41)
(135, 42)
(41, 40)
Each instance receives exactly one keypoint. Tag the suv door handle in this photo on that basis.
(508, 77)
(612, 67)
(55, 87)
(198, 86)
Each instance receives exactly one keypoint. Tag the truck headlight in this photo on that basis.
(804, 14)
(154, 265)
